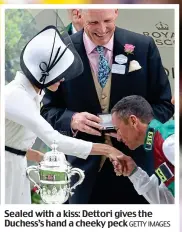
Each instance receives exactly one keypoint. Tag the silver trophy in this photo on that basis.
(54, 174)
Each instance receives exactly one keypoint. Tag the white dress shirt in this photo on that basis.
(73, 29)
(23, 125)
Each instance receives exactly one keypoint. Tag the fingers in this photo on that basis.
(93, 124)
(118, 167)
(90, 130)
(92, 117)
(118, 173)
(123, 164)
(87, 123)
(34, 155)
(125, 169)
(122, 157)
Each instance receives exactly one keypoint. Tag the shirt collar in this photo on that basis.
(90, 46)
(23, 80)
(73, 29)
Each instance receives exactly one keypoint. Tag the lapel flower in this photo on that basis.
(129, 48)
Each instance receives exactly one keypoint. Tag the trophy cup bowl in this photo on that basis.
(54, 174)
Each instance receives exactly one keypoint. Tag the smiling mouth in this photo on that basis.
(101, 36)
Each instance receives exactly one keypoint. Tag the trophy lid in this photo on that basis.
(54, 158)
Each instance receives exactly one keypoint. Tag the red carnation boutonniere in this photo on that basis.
(129, 48)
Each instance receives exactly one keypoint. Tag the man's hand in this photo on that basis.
(86, 122)
(124, 165)
(34, 155)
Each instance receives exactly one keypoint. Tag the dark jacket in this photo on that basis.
(69, 29)
(79, 95)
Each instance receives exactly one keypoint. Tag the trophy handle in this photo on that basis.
(35, 169)
(81, 177)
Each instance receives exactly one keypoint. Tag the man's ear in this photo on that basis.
(133, 120)
(116, 13)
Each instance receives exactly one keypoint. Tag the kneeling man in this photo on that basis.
(135, 124)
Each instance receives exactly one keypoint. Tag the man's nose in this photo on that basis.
(102, 28)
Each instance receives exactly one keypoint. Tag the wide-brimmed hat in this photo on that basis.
(49, 56)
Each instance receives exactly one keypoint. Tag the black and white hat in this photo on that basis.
(50, 57)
